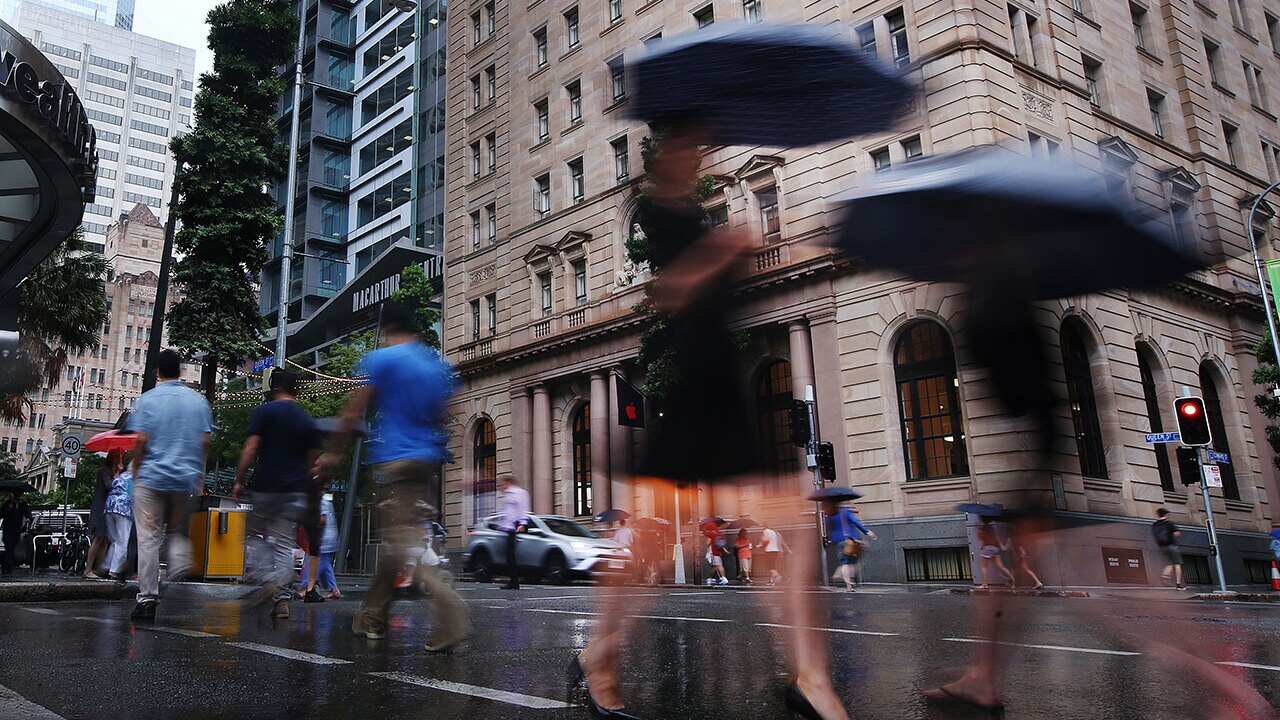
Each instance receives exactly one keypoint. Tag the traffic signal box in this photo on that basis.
(1193, 421)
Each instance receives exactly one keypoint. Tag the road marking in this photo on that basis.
(290, 654)
(1066, 648)
(683, 619)
(846, 631)
(100, 621)
(1250, 665)
(15, 707)
(177, 631)
(558, 597)
(40, 611)
(529, 701)
(699, 592)
(557, 612)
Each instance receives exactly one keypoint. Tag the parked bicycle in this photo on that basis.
(73, 552)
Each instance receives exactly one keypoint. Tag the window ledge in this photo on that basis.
(613, 25)
(541, 144)
(1223, 90)
(1087, 20)
(482, 45)
(533, 4)
(615, 105)
(539, 71)
(572, 51)
(647, 6)
(482, 110)
(1150, 56)
(1246, 34)
(573, 128)
(1264, 113)
(1206, 9)
(1239, 505)
(1175, 496)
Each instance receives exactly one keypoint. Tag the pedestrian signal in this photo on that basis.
(1193, 421)
(1188, 465)
(800, 422)
(827, 461)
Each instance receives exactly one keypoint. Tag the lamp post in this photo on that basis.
(286, 252)
(1262, 280)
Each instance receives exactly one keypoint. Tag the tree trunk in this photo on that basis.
(209, 377)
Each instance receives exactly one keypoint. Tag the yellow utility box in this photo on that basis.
(217, 543)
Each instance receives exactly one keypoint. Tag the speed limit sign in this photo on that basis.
(70, 446)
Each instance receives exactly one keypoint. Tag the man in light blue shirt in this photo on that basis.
(172, 423)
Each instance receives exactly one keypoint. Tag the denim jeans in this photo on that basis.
(270, 538)
(160, 515)
(325, 579)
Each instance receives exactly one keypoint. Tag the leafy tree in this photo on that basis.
(61, 311)
(415, 292)
(1267, 375)
(224, 166)
(81, 491)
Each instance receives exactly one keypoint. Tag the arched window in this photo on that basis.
(1149, 393)
(582, 461)
(1218, 427)
(1084, 408)
(773, 418)
(933, 439)
(485, 471)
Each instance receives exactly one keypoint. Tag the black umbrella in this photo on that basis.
(652, 524)
(713, 521)
(612, 515)
(16, 486)
(835, 493)
(742, 523)
(760, 84)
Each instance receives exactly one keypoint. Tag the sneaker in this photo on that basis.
(312, 596)
(361, 625)
(280, 611)
(724, 581)
(144, 611)
(1182, 587)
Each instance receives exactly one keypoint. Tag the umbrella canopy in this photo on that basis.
(745, 84)
(16, 486)
(742, 523)
(835, 493)
(111, 440)
(714, 521)
(612, 515)
(1042, 228)
(652, 524)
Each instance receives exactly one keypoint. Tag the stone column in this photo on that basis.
(801, 368)
(620, 488)
(601, 495)
(521, 436)
(542, 489)
(829, 390)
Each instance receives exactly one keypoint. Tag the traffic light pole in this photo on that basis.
(811, 460)
(1203, 457)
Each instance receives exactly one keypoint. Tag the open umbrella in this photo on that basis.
(16, 486)
(742, 523)
(652, 524)
(612, 515)
(714, 521)
(835, 493)
(762, 84)
(111, 440)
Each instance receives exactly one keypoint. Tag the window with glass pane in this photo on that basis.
(491, 222)
(621, 160)
(933, 437)
(388, 47)
(337, 122)
(753, 10)
(880, 159)
(542, 194)
(582, 461)
(475, 230)
(484, 471)
(1163, 464)
(475, 159)
(491, 82)
(491, 311)
(475, 93)
(618, 78)
(773, 422)
(704, 17)
(1155, 107)
(574, 90)
(385, 199)
(897, 23)
(718, 216)
(491, 151)
(1092, 78)
(475, 28)
(1084, 408)
(390, 93)
(615, 10)
(544, 290)
(475, 319)
(491, 17)
(571, 28)
(540, 46)
(1218, 428)
(580, 281)
(770, 223)
(866, 34)
(543, 113)
(912, 147)
(577, 183)
(333, 219)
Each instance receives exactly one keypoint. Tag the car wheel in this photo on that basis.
(555, 570)
(481, 567)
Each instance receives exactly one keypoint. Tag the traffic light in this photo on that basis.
(1188, 465)
(800, 423)
(827, 461)
(1193, 421)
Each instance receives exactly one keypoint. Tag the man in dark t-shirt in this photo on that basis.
(284, 441)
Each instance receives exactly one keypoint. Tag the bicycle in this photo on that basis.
(73, 554)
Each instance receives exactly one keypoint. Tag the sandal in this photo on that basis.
(943, 697)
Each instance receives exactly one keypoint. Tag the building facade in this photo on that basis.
(1173, 105)
(111, 12)
(100, 384)
(371, 113)
(138, 92)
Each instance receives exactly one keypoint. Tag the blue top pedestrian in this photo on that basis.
(175, 423)
(411, 389)
(329, 536)
(120, 498)
(845, 525)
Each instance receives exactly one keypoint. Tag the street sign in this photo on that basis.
(264, 363)
(68, 467)
(1219, 457)
(1162, 437)
(70, 446)
(1212, 476)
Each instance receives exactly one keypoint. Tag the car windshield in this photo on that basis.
(567, 527)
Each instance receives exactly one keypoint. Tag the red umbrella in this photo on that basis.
(111, 440)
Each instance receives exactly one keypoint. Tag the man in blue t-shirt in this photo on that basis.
(409, 386)
(845, 530)
(284, 442)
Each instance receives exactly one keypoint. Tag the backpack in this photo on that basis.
(1163, 532)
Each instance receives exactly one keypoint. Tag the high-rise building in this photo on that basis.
(366, 123)
(111, 12)
(138, 92)
(544, 170)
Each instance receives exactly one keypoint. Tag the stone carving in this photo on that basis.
(484, 274)
(1037, 105)
(631, 272)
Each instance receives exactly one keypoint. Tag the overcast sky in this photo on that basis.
(177, 21)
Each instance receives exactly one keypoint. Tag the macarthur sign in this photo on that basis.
(58, 105)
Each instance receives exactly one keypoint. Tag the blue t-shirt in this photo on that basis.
(411, 388)
(845, 525)
(175, 419)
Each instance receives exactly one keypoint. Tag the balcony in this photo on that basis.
(333, 182)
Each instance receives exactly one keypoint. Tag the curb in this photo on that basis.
(1021, 593)
(1239, 597)
(50, 591)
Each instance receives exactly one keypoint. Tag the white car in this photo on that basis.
(553, 548)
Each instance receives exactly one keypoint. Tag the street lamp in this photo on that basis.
(286, 252)
(1257, 262)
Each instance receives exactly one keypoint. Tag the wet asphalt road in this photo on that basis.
(217, 660)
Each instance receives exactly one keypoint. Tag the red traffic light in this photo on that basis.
(1190, 410)
(1193, 421)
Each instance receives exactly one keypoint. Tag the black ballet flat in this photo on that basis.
(578, 687)
(798, 704)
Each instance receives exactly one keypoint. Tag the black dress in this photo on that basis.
(706, 431)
